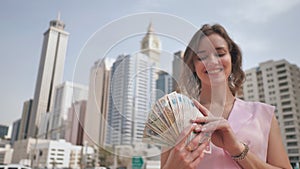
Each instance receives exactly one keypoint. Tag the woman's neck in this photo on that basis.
(218, 94)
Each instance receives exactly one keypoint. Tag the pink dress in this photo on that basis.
(251, 122)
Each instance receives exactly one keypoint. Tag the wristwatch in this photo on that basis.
(242, 155)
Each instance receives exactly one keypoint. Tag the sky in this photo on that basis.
(264, 30)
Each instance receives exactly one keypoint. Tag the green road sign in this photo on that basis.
(137, 162)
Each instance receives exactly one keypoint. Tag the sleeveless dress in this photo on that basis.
(251, 122)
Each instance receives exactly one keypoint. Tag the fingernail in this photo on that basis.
(198, 129)
(194, 124)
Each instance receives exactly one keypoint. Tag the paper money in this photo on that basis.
(169, 116)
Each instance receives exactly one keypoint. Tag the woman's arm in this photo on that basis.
(276, 156)
(276, 151)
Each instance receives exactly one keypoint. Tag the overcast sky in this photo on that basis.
(264, 29)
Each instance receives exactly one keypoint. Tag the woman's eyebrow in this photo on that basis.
(200, 51)
(220, 48)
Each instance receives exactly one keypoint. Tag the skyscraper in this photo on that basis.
(97, 103)
(177, 68)
(130, 98)
(15, 131)
(278, 83)
(164, 84)
(151, 45)
(66, 94)
(3, 130)
(75, 123)
(23, 133)
(50, 72)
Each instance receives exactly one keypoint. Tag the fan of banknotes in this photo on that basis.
(169, 116)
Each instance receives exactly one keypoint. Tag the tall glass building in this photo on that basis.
(132, 91)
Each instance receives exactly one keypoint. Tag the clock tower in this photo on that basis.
(151, 45)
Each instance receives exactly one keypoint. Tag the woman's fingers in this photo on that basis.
(214, 124)
(184, 135)
(202, 109)
(197, 148)
(206, 119)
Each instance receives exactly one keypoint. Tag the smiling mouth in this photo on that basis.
(213, 71)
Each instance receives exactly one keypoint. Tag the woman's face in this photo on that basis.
(213, 60)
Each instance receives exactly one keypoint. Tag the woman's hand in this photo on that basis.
(221, 132)
(184, 156)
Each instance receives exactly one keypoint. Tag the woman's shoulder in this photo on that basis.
(255, 106)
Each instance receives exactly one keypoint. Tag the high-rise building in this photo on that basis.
(97, 104)
(177, 68)
(3, 130)
(75, 123)
(23, 133)
(66, 94)
(164, 84)
(15, 131)
(278, 83)
(132, 92)
(50, 72)
(151, 45)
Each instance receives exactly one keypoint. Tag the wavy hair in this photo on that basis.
(237, 76)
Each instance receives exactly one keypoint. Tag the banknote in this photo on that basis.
(169, 116)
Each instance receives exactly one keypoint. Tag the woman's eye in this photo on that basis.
(221, 54)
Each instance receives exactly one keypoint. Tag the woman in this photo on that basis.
(244, 134)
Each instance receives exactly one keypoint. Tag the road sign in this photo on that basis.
(137, 162)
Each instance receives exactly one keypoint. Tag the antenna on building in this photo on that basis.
(150, 27)
(58, 16)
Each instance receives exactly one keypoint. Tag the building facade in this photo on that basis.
(61, 154)
(66, 94)
(97, 103)
(164, 84)
(3, 131)
(6, 152)
(177, 68)
(23, 134)
(75, 123)
(23, 150)
(50, 72)
(151, 45)
(15, 131)
(278, 83)
(131, 95)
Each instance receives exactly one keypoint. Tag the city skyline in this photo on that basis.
(263, 36)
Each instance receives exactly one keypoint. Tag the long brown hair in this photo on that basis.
(237, 76)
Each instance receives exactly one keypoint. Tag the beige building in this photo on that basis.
(50, 73)
(22, 149)
(278, 83)
(23, 132)
(5, 152)
(75, 123)
(97, 104)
